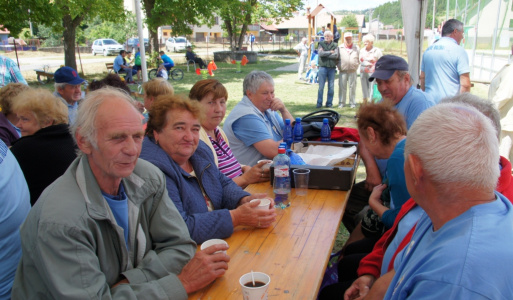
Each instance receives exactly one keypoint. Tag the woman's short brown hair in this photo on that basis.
(8, 93)
(158, 111)
(384, 119)
(205, 87)
(43, 105)
(157, 86)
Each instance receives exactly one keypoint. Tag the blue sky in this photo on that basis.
(334, 5)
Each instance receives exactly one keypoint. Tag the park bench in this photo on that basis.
(110, 67)
(41, 74)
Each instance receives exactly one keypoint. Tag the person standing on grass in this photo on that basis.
(347, 65)
(302, 52)
(328, 56)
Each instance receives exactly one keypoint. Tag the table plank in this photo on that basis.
(293, 252)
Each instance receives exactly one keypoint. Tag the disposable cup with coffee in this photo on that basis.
(264, 203)
(258, 291)
(267, 165)
(212, 242)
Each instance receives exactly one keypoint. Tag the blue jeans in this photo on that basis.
(168, 66)
(326, 73)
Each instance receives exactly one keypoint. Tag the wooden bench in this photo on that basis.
(110, 67)
(42, 73)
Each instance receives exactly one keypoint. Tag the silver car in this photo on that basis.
(177, 44)
(106, 47)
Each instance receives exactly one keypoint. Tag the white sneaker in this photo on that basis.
(353, 106)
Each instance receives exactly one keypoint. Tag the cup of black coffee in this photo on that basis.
(256, 291)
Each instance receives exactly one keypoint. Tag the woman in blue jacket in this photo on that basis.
(211, 204)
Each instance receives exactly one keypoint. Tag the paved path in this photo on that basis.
(289, 68)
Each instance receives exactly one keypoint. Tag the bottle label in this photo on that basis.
(281, 172)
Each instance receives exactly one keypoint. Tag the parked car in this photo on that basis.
(106, 46)
(133, 44)
(177, 44)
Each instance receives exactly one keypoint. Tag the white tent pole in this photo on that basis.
(447, 11)
(433, 24)
(476, 31)
(142, 48)
(495, 37)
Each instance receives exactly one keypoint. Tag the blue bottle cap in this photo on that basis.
(298, 119)
(287, 121)
(325, 120)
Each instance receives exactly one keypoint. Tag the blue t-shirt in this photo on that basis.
(14, 208)
(119, 206)
(414, 102)
(403, 228)
(118, 62)
(396, 183)
(443, 63)
(467, 258)
(250, 129)
(166, 59)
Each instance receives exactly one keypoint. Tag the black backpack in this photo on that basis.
(312, 122)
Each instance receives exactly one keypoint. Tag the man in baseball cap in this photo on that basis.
(68, 87)
(394, 84)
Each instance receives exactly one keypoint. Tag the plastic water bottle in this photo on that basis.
(281, 183)
(298, 131)
(287, 133)
(325, 131)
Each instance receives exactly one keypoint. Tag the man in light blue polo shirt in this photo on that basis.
(394, 84)
(254, 127)
(445, 69)
(68, 87)
(121, 68)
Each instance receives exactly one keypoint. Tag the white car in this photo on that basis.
(177, 44)
(106, 47)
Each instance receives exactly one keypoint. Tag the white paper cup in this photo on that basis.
(301, 177)
(264, 203)
(212, 242)
(267, 164)
(255, 293)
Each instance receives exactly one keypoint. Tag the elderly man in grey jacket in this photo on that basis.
(347, 65)
(107, 228)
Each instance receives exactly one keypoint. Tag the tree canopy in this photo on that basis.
(179, 14)
(62, 16)
(349, 21)
(237, 15)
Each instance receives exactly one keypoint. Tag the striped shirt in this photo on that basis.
(228, 164)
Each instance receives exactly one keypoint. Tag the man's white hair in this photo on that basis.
(368, 38)
(457, 146)
(88, 109)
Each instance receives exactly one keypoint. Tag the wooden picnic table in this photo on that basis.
(294, 252)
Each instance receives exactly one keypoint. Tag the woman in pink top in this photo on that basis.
(212, 96)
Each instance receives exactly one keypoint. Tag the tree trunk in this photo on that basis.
(69, 42)
(154, 41)
(229, 29)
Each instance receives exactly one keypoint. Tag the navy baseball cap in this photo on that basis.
(387, 65)
(67, 75)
